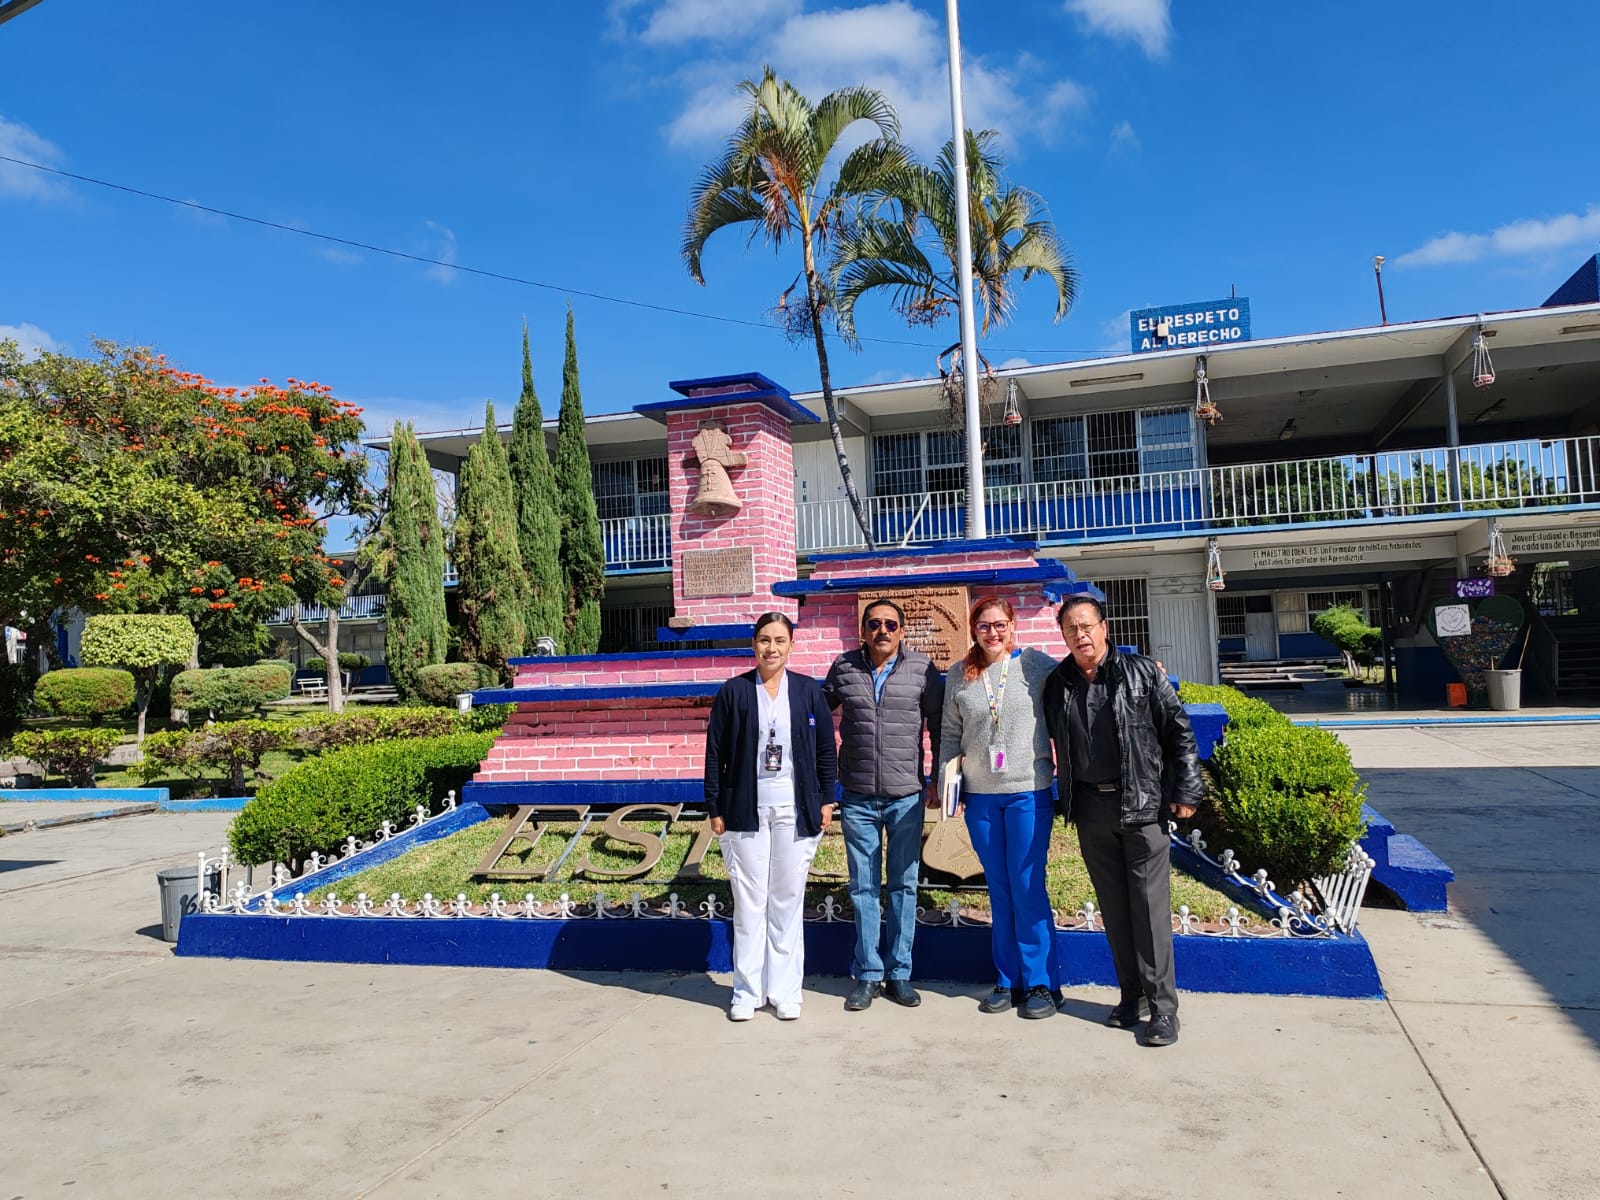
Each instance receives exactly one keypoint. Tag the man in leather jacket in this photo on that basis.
(1125, 756)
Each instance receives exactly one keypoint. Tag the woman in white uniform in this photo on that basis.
(769, 781)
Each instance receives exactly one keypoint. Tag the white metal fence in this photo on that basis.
(1499, 476)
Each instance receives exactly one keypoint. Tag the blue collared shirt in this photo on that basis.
(881, 675)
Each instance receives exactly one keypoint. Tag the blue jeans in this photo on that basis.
(867, 819)
(1011, 834)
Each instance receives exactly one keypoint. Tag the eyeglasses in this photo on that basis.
(887, 624)
(992, 626)
(1089, 628)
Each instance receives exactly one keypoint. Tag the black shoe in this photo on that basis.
(862, 994)
(1162, 1030)
(1126, 1015)
(902, 993)
(997, 1001)
(1039, 1003)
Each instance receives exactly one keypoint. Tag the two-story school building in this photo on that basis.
(1221, 491)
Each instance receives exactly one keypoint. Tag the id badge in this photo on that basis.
(997, 758)
(772, 758)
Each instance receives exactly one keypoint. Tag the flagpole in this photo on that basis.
(977, 523)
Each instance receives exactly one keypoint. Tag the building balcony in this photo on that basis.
(1500, 477)
(356, 608)
(637, 543)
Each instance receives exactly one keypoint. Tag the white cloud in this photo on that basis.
(340, 257)
(1013, 364)
(1148, 22)
(891, 45)
(1519, 239)
(444, 250)
(1114, 334)
(18, 141)
(1124, 138)
(677, 21)
(33, 340)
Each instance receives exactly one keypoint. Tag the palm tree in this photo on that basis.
(770, 175)
(914, 255)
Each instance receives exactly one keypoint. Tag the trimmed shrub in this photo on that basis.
(1291, 800)
(317, 804)
(84, 692)
(441, 682)
(1243, 711)
(333, 731)
(70, 753)
(282, 664)
(16, 694)
(229, 691)
(347, 662)
(485, 718)
(233, 747)
(1358, 642)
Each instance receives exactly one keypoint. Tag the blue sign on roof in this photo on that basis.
(1210, 323)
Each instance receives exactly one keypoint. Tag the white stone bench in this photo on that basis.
(315, 688)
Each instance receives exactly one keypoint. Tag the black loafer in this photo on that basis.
(1039, 1004)
(900, 992)
(861, 996)
(997, 1001)
(1126, 1015)
(1162, 1030)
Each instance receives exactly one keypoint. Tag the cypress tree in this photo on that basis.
(416, 630)
(492, 587)
(583, 565)
(538, 511)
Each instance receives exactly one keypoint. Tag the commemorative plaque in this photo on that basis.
(936, 619)
(727, 572)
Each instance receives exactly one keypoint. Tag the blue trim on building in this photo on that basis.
(755, 379)
(598, 793)
(749, 388)
(629, 691)
(1047, 571)
(955, 546)
(644, 656)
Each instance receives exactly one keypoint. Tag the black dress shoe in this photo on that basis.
(997, 1001)
(902, 993)
(862, 994)
(1162, 1030)
(1126, 1015)
(1039, 1004)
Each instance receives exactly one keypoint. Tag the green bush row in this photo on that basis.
(347, 662)
(71, 753)
(1289, 798)
(440, 683)
(84, 692)
(229, 691)
(317, 804)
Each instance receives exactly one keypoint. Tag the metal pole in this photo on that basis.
(1377, 271)
(977, 523)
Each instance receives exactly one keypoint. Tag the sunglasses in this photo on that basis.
(887, 624)
(1090, 627)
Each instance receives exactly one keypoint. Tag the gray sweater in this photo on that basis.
(1030, 765)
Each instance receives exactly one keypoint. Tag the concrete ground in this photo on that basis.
(132, 1073)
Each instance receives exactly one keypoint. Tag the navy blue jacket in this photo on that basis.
(732, 732)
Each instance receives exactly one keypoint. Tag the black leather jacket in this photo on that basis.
(1160, 764)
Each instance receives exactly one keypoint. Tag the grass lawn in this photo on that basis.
(444, 869)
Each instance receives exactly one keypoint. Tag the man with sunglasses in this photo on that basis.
(888, 695)
(1125, 758)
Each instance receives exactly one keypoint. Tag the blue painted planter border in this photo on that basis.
(1264, 966)
(143, 795)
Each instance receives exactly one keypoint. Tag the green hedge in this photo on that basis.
(357, 727)
(347, 662)
(442, 682)
(16, 694)
(229, 691)
(283, 664)
(71, 753)
(1243, 711)
(84, 692)
(233, 747)
(317, 804)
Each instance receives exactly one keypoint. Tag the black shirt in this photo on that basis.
(1096, 752)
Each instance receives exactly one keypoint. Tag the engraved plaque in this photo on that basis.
(936, 619)
(730, 572)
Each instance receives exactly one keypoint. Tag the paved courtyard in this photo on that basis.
(128, 1072)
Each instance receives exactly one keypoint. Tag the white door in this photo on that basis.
(1260, 629)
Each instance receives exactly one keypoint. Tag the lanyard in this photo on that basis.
(767, 706)
(996, 697)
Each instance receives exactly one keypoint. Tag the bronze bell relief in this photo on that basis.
(715, 456)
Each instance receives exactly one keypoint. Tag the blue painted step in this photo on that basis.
(1416, 875)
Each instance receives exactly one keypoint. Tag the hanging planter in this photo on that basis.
(1499, 565)
(1215, 576)
(1482, 365)
(1204, 409)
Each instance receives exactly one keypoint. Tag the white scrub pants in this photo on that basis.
(767, 870)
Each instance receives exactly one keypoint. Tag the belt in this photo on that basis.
(1114, 786)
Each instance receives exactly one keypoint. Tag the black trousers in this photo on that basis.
(1130, 869)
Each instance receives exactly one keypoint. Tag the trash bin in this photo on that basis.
(1505, 689)
(179, 896)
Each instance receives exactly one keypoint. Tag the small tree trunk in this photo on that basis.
(328, 652)
(814, 302)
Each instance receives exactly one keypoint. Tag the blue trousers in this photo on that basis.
(1011, 834)
(883, 950)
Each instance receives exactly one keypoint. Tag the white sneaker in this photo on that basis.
(788, 1012)
(741, 1012)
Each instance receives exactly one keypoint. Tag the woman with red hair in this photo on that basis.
(993, 723)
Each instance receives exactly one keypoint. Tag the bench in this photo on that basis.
(315, 688)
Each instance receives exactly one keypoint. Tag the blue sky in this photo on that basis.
(1183, 148)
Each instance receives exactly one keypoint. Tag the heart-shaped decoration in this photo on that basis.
(1476, 636)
